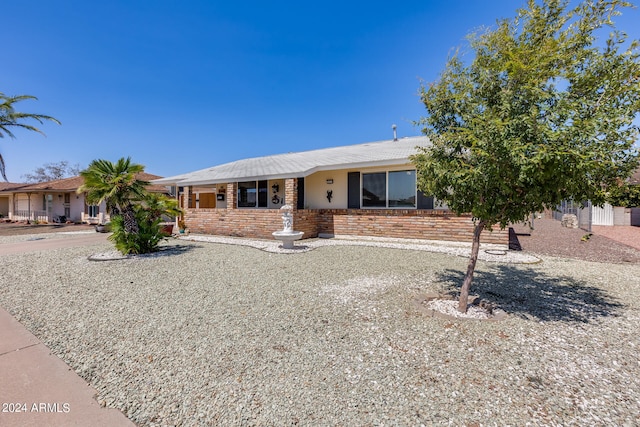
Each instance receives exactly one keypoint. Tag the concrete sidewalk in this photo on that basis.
(36, 387)
(39, 389)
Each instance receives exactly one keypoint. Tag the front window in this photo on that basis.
(374, 190)
(253, 194)
(402, 189)
(93, 210)
(247, 194)
(395, 189)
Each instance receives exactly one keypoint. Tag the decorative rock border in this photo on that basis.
(108, 256)
(421, 301)
(495, 251)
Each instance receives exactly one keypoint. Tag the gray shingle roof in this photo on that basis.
(301, 164)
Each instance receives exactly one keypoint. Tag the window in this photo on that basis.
(252, 194)
(93, 210)
(402, 189)
(247, 194)
(374, 190)
(395, 189)
(263, 194)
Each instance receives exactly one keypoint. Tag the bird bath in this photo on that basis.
(287, 235)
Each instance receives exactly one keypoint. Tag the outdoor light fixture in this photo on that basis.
(330, 181)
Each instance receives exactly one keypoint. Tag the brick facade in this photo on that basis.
(291, 192)
(395, 223)
(259, 223)
(419, 224)
(404, 223)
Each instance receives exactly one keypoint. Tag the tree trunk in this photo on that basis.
(466, 284)
(129, 220)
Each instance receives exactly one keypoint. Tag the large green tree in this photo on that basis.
(543, 111)
(10, 118)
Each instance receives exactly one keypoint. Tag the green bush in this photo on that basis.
(147, 238)
(626, 195)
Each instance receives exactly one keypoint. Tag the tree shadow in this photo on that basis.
(170, 250)
(531, 295)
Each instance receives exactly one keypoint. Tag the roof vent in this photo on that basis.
(395, 134)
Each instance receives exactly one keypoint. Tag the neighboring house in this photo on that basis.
(5, 197)
(56, 201)
(362, 190)
(589, 215)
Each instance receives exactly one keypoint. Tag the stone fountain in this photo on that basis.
(287, 235)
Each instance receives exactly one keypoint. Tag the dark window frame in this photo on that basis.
(387, 201)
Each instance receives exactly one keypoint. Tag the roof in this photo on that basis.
(73, 183)
(635, 178)
(8, 186)
(301, 164)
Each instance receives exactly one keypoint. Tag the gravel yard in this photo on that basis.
(218, 334)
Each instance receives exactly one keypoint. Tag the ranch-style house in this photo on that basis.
(357, 190)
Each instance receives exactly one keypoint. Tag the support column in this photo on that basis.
(186, 193)
(232, 195)
(30, 217)
(12, 205)
(291, 192)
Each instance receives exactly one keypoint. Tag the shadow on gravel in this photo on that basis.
(531, 295)
(164, 251)
(172, 250)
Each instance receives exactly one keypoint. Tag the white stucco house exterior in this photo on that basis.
(56, 201)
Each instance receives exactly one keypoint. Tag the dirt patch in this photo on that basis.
(549, 238)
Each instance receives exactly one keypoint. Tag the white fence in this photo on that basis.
(603, 215)
(34, 215)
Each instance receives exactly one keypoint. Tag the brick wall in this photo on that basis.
(259, 223)
(419, 224)
(401, 223)
(291, 192)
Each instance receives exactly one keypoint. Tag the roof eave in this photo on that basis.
(300, 174)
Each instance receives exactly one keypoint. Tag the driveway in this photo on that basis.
(52, 241)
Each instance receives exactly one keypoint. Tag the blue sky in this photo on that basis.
(181, 86)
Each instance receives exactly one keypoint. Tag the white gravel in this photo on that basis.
(220, 334)
(450, 308)
(488, 252)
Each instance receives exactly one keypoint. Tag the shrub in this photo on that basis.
(144, 241)
(626, 195)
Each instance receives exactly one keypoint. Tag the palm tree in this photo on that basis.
(10, 117)
(156, 205)
(117, 185)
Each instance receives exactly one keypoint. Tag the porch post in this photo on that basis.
(12, 205)
(291, 192)
(186, 192)
(232, 195)
(177, 218)
(29, 207)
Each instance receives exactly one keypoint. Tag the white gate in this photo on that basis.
(603, 215)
